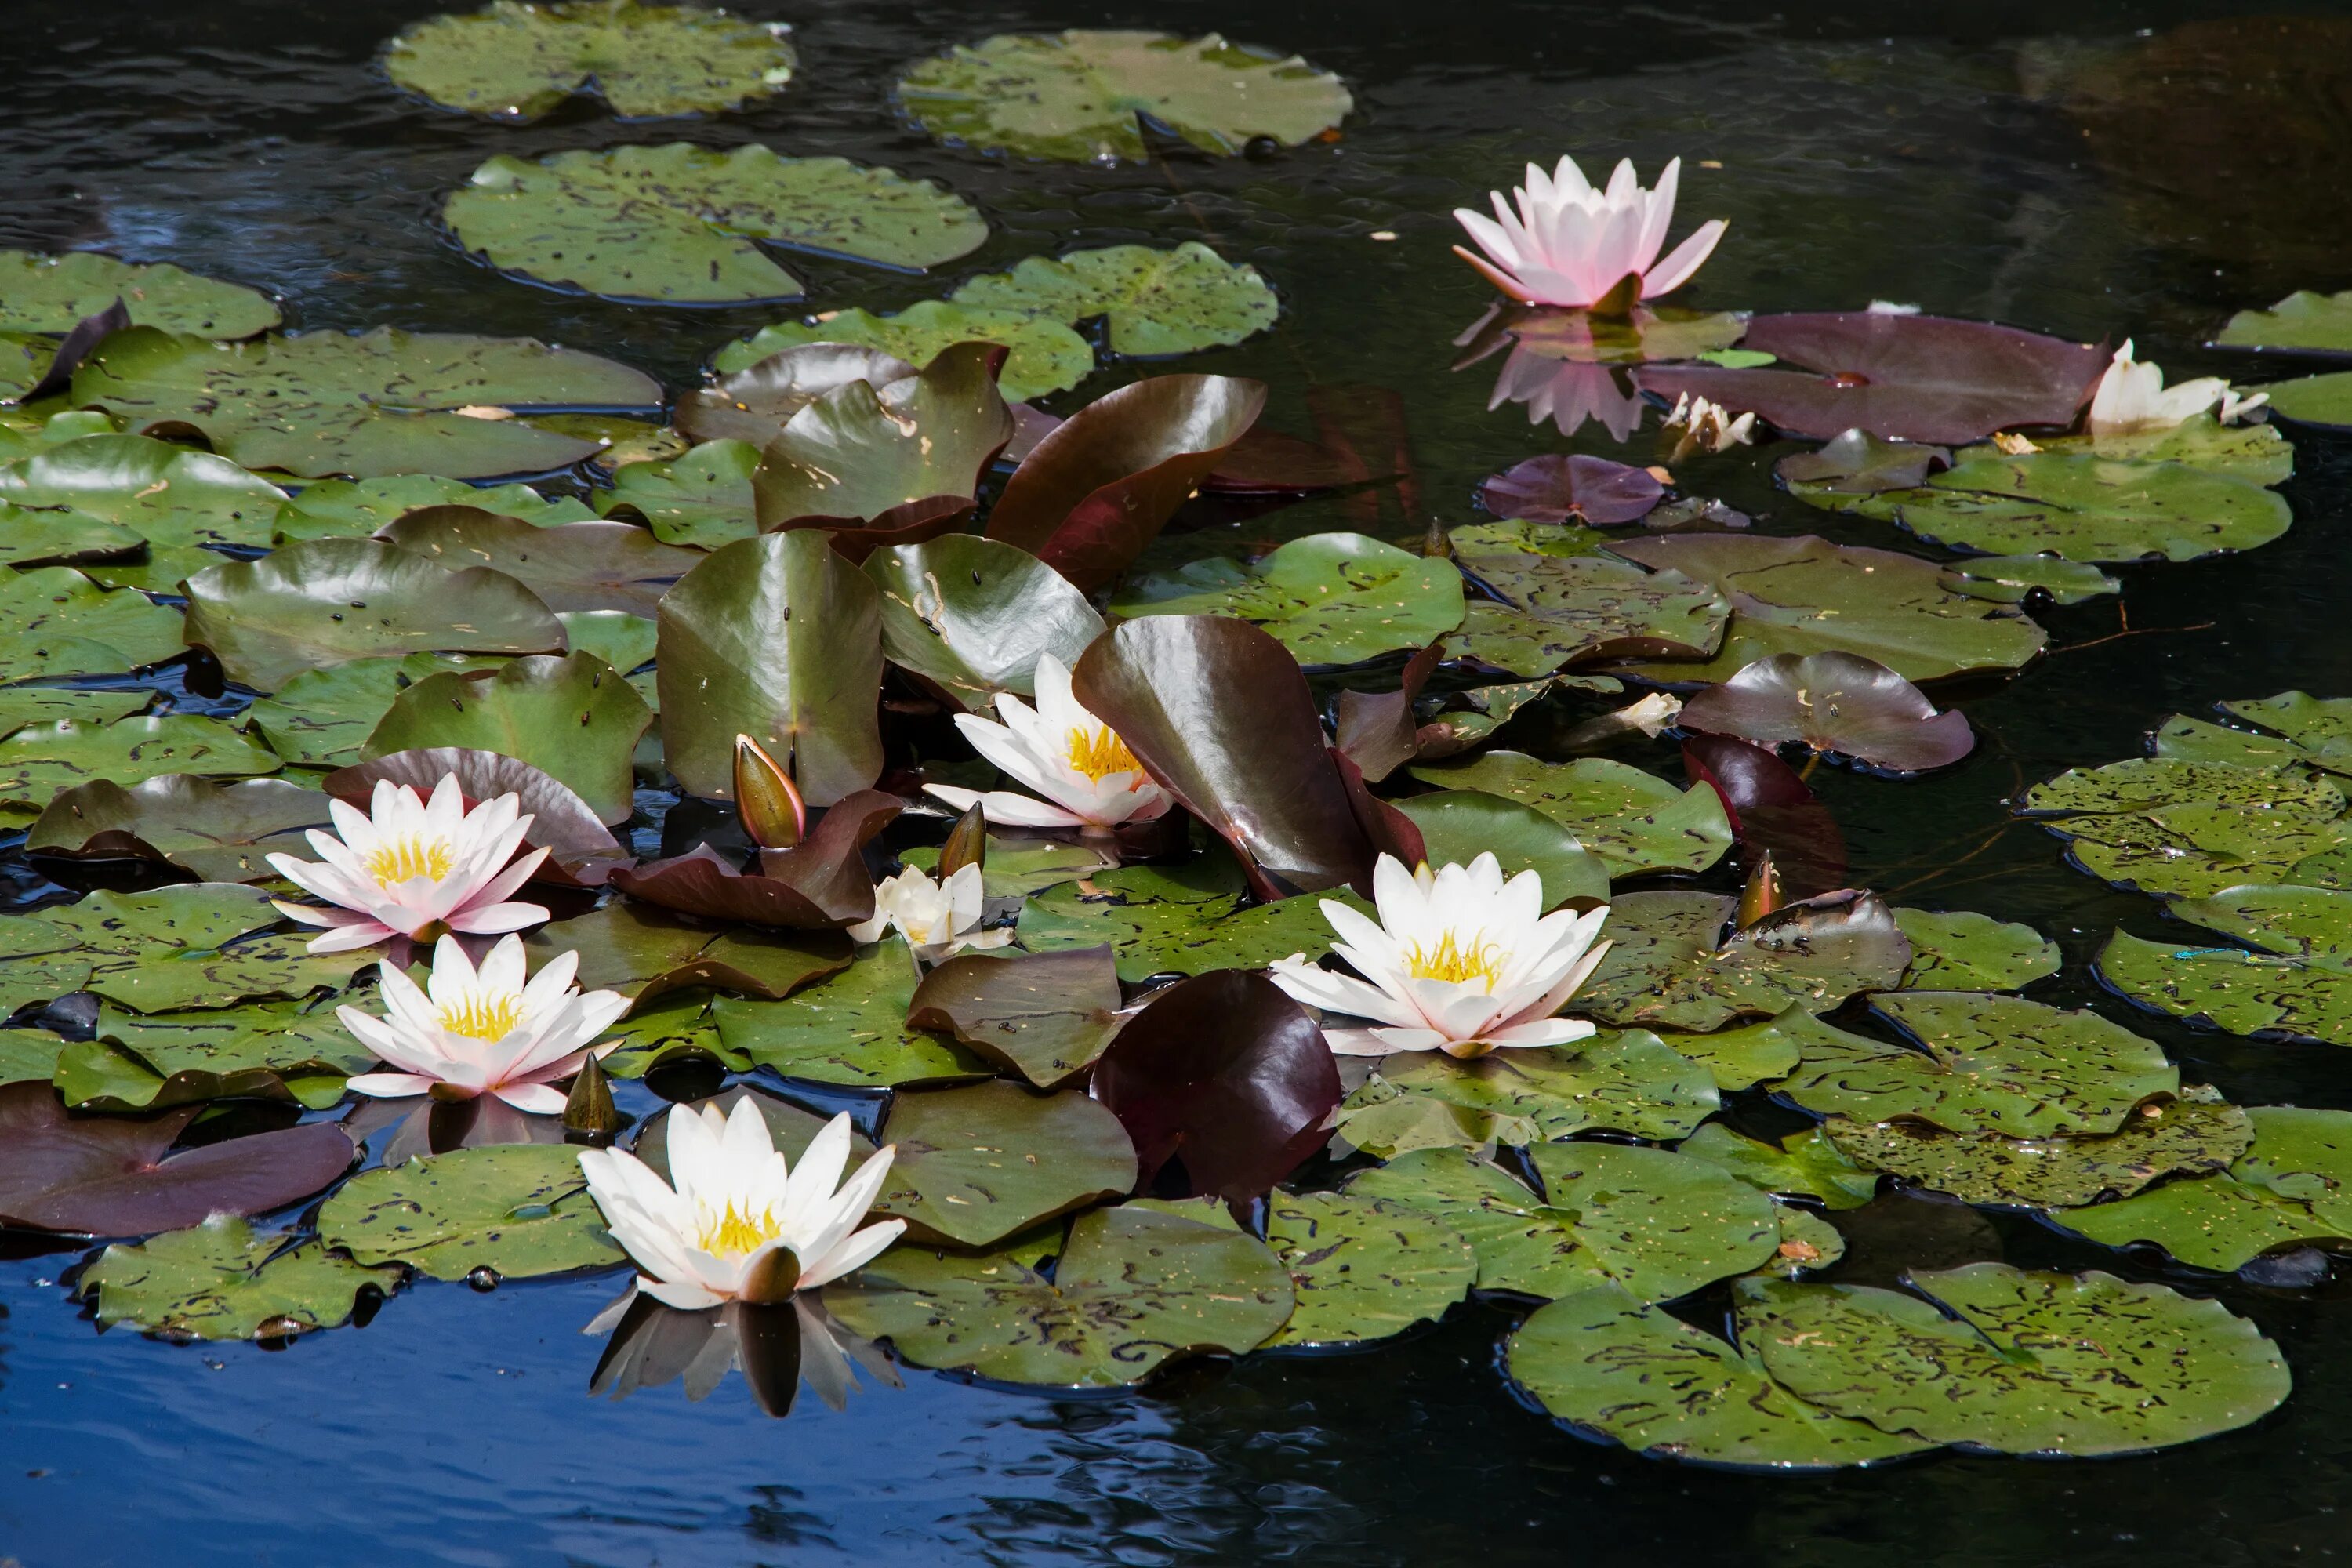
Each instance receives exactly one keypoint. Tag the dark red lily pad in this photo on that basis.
(756, 403)
(1227, 1074)
(582, 851)
(1221, 715)
(1574, 487)
(1833, 701)
(113, 1176)
(1101, 485)
(1046, 1016)
(819, 884)
(1909, 378)
(1771, 811)
(1377, 730)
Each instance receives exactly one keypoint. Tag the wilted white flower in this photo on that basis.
(2132, 396)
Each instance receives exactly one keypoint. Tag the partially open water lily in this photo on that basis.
(411, 864)
(1708, 424)
(1085, 773)
(483, 1031)
(1572, 243)
(1460, 960)
(2132, 396)
(735, 1221)
(936, 918)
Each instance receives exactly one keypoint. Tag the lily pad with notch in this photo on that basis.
(1620, 1080)
(2295, 983)
(1964, 951)
(1803, 1164)
(1558, 488)
(2287, 1191)
(221, 832)
(974, 615)
(1670, 963)
(1154, 302)
(2296, 728)
(1836, 703)
(2188, 1136)
(1631, 820)
(1564, 600)
(1046, 1017)
(41, 762)
(518, 62)
(643, 952)
(218, 1280)
(519, 1210)
(702, 500)
(1156, 924)
(571, 566)
(572, 718)
(56, 293)
(167, 495)
(2014, 579)
(1459, 826)
(62, 623)
(271, 1050)
(753, 405)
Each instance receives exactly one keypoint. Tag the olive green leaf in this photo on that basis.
(1046, 355)
(1670, 964)
(24, 705)
(1620, 1081)
(166, 495)
(323, 716)
(1330, 598)
(1459, 825)
(514, 62)
(267, 1049)
(517, 1210)
(2011, 579)
(980, 1164)
(572, 718)
(219, 831)
(1565, 598)
(40, 761)
(702, 500)
(1158, 924)
(1966, 952)
(44, 293)
(2161, 1138)
(850, 1028)
(2291, 1188)
(574, 567)
(2190, 828)
(676, 1024)
(218, 1280)
(2297, 983)
(1634, 821)
(61, 624)
(2322, 400)
(975, 614)
(644, 952)
(2298, 728)
(2255, 453)
(355, 509)
(1803, 1163)
(2306, 319)
(1363, 1269)
(1155, 302)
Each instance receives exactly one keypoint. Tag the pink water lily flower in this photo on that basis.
(1460, 960)
(483, 1031)
(410, 865)
(1571, 243)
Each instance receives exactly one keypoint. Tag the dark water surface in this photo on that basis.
(1935, 164)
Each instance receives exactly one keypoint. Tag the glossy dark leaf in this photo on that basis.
(1771, 810)
(1046, 1016)
(887, 456)
(1226, 1073)
(1100, 487)
(1909, 378)
(582, 851)
(1574, 487)
(1377, 730)
(574, 718)
(1833, 701)
(755, 404)
(820, 884)
(217, 829)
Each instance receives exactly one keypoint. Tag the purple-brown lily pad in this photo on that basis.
(1856, 462)
(582, 851)
(1377, 730)
(1771, 811)
(819, 884)
(1227, 1074)
(1833, 701)
(1906, 378)
(1574, 487)
(111, 1175)
(1046, 1016)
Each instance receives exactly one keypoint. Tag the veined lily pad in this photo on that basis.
(1156, 924)
(42, 293)
(386, 403)
(355, 509)
(1657, 1224)
(2305, 321)
(510, 61)
(2297, 983)
(1330, 598)
(1996, 1358)
(2288, 1190)
(1157, 302)
(703, 500)
(1601, 1360)
(2161, 1138)
(272, 1049)
(1803, 1164)
(60, 623)
(1564, 600)
(1634, 821)
(1131, 1290)
(975, 614)
(1077, 96)
(219, 831)
(1968, 951)
(167, 495)
(852, 1028)
(1669, 965)
(1459, 826)
(2011, 579)
(1363, 1269)
(1833, 701)
(976, 1165)
(2189, 828)
(516, 1209)
(625, 946)
(1621, 1082)
(218, 1280)
(1579, 488)
(40, 761)
(676, 224)
(1046, 355)
(572, 718)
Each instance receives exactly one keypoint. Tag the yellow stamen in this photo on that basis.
(1100, 752)
(735, 1233)
(483, 1018)
(1449, 960)
(406, 858)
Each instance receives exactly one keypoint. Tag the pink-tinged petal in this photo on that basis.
(1659, 216)
(1508, 286)
(390, 1085)
(535, 1099)
(494, 919)
(506, 881)
(351, 938)
(1489, 235)
(1683, 259)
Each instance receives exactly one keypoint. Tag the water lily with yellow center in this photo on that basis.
(2131, 397)
(735, 1221)
(1085, 773)
(936, 918)
(1459, 962)
(1572, 243)
(483, 1031)
(410, 865)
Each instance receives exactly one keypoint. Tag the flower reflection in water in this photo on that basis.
(1567, 394)
(780, 1348)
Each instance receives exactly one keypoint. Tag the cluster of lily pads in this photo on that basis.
(703, 747)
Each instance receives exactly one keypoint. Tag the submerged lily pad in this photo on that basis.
(218, 1280)
(1634, 821)
(852, 1028)
(1363, 1269)
(1077, 96)
(516, 1209)
(2296, 983)
(60, 623)
(1155, 302)
(2191, 828)
(1131, 1290)
(2015, 1362)
(676, 224)
(1046, 355)
(2289, 1190)
(1624, 1082)
(1669, 963)
(219, 831)
(512, 61)
(572, 718)
(44, 293)
(166, 495)
(976, 1165)
(1330, 598)
(2161, 1138)
(1968, 951)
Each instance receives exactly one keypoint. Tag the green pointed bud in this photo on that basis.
(772, 811)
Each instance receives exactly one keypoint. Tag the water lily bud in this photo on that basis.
(589, 1108)
(1762, 895)
(772, 811)
(967, 842)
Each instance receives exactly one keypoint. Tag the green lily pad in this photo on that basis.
(576, 567)
(975, 614)
(23, 705)
(976, 1165)
(2322, 400)
(678, 225)
(519, 1210)
(1131, 1291)
(355, 509)
(643, 952)
(55, 952)
(1805, 594)
(1363, 1269)
(1565, 599)
(851, 1028)
(41, 761)
(47, 538)
(1808, 1244)
(28, 1055)
(271, 1050)
(1634, 821)
(2297, 983)
(2305, 320)
(1657, 1224)
(2255, 453)
(1157, 924)
(1967, 951)
(854, 455)
(43, 293)
(512, 61)
(321, 718)
(1046, 1017)
(1077, 96)
(2289, 1190)
(1330, 598)
(62, 623)
(167, 495)
(24, 432)
(2189, 828)
(1045, 356)
(1669, 965)
(676, 1024)
(2299, 728)
(218, 1280)
(703, 500)
(1626, 1081)
(1457, 825)
(1603, 1362)
(1984, 1064)
(2162, 1138)
(1804, 1164)
(1752, 1054)
(2011, 579)
(2015, 1362)
(572, 718)
(386, 403)
(1155, 302)
(219, 831)
(1017, 867)
(317, 603)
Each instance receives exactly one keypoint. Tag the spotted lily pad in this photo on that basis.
(1621, 1082)
(46, 538)
(40, 761)
(1563, 599)
(60, 623)
(273, 1050)
(1077, 96)
(702, 500)
(678, 225)
(43, 293)
(218, 1280)
(571, 566)
(219, 831)
(1634, 821)
(2288, 1190)
(1130, 1290)
(852, 1028)
(1459, 826)
(2161, 1138)
(1155, 302)
(519, 1210)
(1804, 1164)
(975, 1166)
(512, 61)
(1968, 951)
(1363, 1269)
(2013, 579)
(2255, 453)
(167, 495)
(2189, 828)
(355, 509)
(1669, 963)
(1045, 356)
(2015, 1362)
(1330, 598)
(1162, 922)
(2296, 983)
(1657, 1224)
(572, 718)
(2296, 728)
(109, 937)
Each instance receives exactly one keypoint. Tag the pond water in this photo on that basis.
(1935, 164)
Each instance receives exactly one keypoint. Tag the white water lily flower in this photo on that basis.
(708, 1233)
(486, 1031)
(1062, 752)
(1889, 308)
(2234, 408)
(1573, 244)
(1459, 962)
(2132, 396)
(410, 865)
(936, 918)
(1710, 425)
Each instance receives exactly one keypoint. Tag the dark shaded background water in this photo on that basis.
(252, 139)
